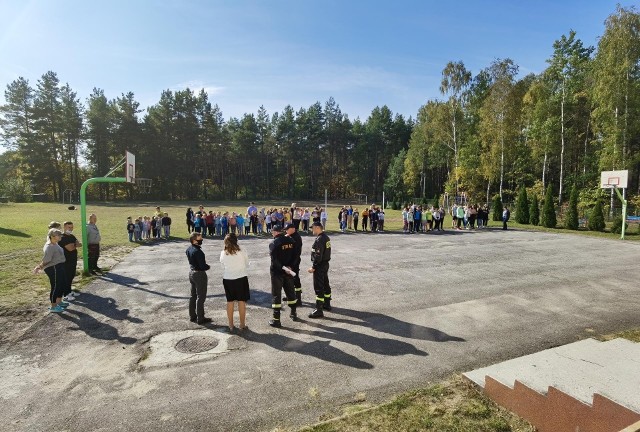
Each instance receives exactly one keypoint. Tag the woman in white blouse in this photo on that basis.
(234, 279)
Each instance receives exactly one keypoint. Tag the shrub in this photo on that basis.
(616, 226)
(549, 210)
(522, 207)
(596, 218)
(16, 189)
(534, 211)
(497, 208)
(571, 220)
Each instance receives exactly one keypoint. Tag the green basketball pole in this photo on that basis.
(624, 211)
(83, 213)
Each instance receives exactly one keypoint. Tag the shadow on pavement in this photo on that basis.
(386, 324)
(94, 328)
(105, 306)
(372, 344)
(137, 285)
(322, 350)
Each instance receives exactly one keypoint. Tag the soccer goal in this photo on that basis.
(361, 198)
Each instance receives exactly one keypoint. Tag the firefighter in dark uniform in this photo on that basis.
(320, 256)
(293, 234)
(282, 258)
(198, 278)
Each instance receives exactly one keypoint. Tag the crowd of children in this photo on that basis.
(416, 218)
(253, 221)
(142, 228)
(372, 218)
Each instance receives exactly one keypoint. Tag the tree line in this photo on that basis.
(487, 134)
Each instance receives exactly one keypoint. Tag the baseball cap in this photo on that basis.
(288, 225)
(316, 224)
(276, 228)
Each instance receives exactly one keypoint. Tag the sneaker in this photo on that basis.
(68, 298)
(204, 321)
(56, 309)
(64, 304)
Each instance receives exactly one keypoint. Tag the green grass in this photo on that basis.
(450, 406)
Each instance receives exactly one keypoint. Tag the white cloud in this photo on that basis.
(197, 85)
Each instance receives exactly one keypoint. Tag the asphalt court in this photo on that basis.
(408, 310)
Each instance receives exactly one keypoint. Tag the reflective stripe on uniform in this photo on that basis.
(319, 299)
(298, 289)
(276, 306)
(327, 296)
(292, 302)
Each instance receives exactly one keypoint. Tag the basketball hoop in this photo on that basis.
(143, 185)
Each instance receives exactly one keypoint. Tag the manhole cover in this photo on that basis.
(196, 344)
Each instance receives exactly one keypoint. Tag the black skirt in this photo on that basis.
(236, 289)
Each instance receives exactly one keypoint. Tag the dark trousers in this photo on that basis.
(296, 280)
(321, 282)
(364, 223)
(305, 225)
(278, 283)
(355, 224)
(254, 224)
(94, 254)
(198, 281)
(57, 280)
(69, 273)
(504, 224)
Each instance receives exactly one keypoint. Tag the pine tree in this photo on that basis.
(497, 208)
(534, 211)
(571, 220)
(522, 207)
(596, 219)
(549, 210)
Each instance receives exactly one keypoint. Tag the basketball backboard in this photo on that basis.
(614, 179)
(130, 167)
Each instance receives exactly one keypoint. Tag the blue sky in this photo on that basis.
(274, 53)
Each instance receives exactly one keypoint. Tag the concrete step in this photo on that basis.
(580, 369)
(586, 384)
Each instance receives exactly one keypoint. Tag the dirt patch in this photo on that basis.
(17, 316)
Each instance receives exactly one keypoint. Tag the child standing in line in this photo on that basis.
(225, 224)
(247, 224)
(158, 227)
(260, 222)
(197, 224)
(147, 227)
(137, 230)
(218, 223)
(233, 223)
(140, 228)
(240, 223)
(267, 220)
(130, 228)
